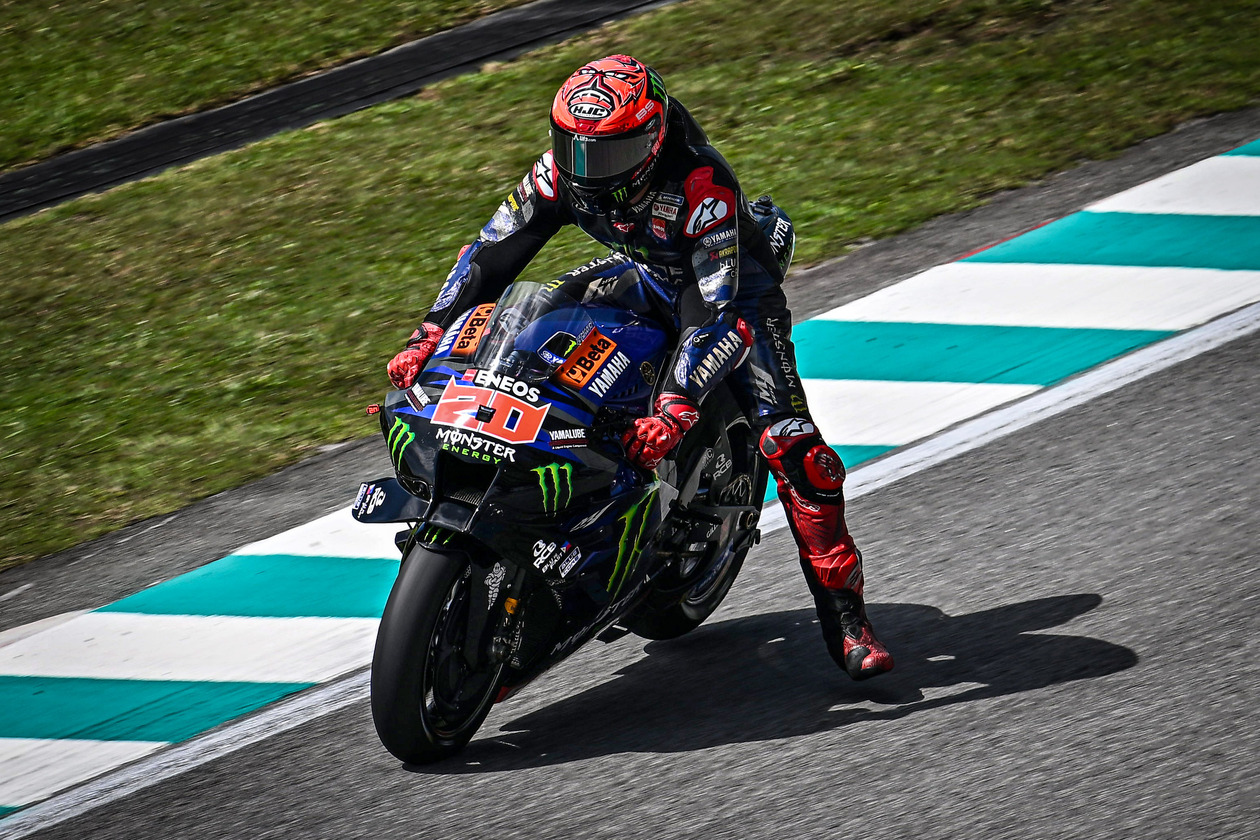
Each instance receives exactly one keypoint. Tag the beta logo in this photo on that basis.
(510, 419)
(588, 358)
(470, 335)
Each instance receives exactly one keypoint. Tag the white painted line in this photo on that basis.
(13, 593)
(334, 535)
(23, 631)
(133, 646)
(866, 479)
(1070, 296)
(1228, 185)
(856, 412)
(183, 757)
(33, 768)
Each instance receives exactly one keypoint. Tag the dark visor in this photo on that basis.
(590, 160)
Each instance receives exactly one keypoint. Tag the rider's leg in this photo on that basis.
(810, 478)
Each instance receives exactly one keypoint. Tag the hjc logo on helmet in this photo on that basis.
(588, 111)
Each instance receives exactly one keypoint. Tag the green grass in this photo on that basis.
(181, 335)
(81, 70)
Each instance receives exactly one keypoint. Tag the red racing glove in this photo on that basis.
(652, 438)
(406, 366)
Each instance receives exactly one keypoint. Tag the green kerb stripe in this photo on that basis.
(850, 455)
(279, 585)
(910, 352)
(1154, 239)
(1252, 149)
(126, 710)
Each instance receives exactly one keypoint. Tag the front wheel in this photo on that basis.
(431, 688)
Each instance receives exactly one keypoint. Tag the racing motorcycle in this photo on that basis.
(529, 533)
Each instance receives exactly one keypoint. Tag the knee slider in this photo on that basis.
(798, 457)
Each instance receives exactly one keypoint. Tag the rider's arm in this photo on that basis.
(522, 225)
(713, 339)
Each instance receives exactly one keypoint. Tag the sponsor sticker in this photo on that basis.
(588, 358)
(470, 334)
(568, 438)
(474, 447)
(369, 499)
(715, 239)
(512, 419)
(570, 560)
(664, 210)
(611, 372)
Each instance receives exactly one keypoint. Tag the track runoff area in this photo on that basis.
(96, 705)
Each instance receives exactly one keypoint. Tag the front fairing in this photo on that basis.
(520, 448)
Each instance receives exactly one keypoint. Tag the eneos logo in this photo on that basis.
(510, 419)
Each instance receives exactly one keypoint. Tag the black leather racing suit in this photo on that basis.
(697, 250)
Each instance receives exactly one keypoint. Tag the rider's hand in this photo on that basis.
(652, 438)
(406, 366)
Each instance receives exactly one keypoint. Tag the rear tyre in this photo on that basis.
(667, 614)
(430, 689)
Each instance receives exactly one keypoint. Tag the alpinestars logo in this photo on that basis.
(633, 526)
(556, 482)
(399, 438)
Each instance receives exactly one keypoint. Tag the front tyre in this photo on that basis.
(431, 688)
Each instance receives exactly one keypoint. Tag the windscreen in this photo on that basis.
(532, 332)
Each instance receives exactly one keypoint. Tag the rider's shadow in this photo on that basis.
(768, 676)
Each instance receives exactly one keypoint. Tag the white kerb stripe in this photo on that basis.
(334, 535)
(1221, 186)
(33, 768)
(1069, 296)
(857, 412)
(134, 646)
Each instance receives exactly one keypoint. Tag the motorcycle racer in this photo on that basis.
(631, 168)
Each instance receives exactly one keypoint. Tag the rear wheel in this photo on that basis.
(431, 687)
(673, 611)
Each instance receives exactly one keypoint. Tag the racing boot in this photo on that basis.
(810, 478)
(848, 633)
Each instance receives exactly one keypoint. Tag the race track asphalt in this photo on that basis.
(1072, 609)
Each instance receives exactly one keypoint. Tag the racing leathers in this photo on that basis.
(693, 243)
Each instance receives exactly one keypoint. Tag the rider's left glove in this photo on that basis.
(652, 438)
(406, 366)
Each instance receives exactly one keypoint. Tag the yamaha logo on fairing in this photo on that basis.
(588, 111)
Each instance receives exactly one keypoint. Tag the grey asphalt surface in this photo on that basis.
(1072, 609)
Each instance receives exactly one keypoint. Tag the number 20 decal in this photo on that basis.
(513, 421)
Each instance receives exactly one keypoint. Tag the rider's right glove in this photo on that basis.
(652, 438)
(406, 366)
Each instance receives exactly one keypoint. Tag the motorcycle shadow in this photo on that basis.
(769, 677)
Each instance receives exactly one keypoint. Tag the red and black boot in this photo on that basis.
(810, 476)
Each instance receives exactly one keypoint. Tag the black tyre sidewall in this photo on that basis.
(399, 661)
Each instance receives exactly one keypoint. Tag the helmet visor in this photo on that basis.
(594, 161)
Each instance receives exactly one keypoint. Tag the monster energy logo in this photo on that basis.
(634, 524)
(658, 86)
(434, 535)
(399, 437)
(556, 482)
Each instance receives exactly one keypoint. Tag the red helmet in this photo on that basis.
(607, 128)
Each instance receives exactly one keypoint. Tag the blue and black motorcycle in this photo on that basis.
(530, 533)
